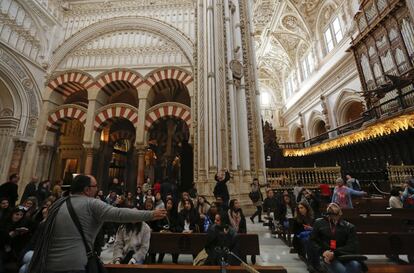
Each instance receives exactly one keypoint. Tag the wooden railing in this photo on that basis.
(398, 174)
(311, 177)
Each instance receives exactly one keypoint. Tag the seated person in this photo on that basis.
(221, 236)
(395, 199)
(301, 228)
(270, 204)
(312, 199)
(132, 243)
(286, 211)
(332, 238)
(188, 218)
(236, 217)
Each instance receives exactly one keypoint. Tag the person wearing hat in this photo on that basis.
(335, 241)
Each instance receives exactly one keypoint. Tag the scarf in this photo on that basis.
(41, 249)
(235, 219)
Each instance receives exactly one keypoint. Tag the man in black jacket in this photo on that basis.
(9, 189)
(220, 190)
(30, 189)
(332, 238)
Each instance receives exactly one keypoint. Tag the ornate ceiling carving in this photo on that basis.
(285, 30)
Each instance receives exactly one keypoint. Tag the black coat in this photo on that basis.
(270, 204)
(29, 190)
(345, 236)
(216, 240)
(221, 190)
(192, 216)
(9, 190)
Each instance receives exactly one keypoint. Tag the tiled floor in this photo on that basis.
(273, 252)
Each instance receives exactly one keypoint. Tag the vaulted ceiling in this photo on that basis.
(284, 31)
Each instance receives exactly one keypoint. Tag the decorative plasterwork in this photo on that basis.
(125, 48)
(380, 129)
(179, 14)
(28, 94)
(158, 28)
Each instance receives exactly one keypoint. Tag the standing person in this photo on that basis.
(342, 194)
(395, 199)
(63, 250)
(408, 194)
(4, 208)
(31, 188)
(332, 238)
(257, 199)
(298, 189)
(220, 189)
(9, 189)
(43, 191)
(116, 187)
(352, 183)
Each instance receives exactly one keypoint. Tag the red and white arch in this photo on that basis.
(57, 118)
(169, 74)
(176, 110)
(71, 82)
(115, 111)
(113, 81)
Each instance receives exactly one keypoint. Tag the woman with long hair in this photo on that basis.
(302, 227)
(132, 243)
(236, 217)
(188, 218)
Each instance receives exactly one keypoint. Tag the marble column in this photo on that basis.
(89, 160)
(141, 165)
(410, 5)
(43, 165)
(17, 156)
(143, 91)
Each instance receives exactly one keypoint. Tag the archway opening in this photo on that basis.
(169, 90)
(353, 112)
(70, 150)
(298, 136)
(319, 128)
(116, 154)
(173, 155)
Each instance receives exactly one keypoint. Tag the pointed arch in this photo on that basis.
(343, 102)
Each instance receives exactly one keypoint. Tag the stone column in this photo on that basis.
(90, 138)
(143, 91)
(410, 5)
(141, 165)
(42, 170)
(17, 156)
(89, 160)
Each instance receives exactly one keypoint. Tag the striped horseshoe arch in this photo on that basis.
(170, 73)
(180, 112)
(119, 80)
(57, 118)
(70, 83)
(108, 114)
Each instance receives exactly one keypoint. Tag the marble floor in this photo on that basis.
(273, 251)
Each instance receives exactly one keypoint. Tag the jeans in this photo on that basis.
(347, 267)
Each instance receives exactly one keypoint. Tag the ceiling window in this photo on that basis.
(265, 99)
(333, 34)
(308, 65)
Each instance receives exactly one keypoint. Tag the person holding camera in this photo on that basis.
(335, 241)
(61, 247)
(220, 189)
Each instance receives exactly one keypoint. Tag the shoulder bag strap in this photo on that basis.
(75, 220)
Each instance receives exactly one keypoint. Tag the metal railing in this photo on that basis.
(403, 100)
(311, 177)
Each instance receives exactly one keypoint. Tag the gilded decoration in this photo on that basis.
(380, 129)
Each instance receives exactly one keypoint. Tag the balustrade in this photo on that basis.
(311, 177)
(398, 174)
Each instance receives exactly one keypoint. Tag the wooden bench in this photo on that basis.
(173, 268)
(398, 243)
(390, 268)
(193, 243)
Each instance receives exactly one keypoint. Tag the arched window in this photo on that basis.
(333, 34)
(308, 65)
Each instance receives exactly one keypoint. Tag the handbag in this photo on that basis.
(94, 264)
